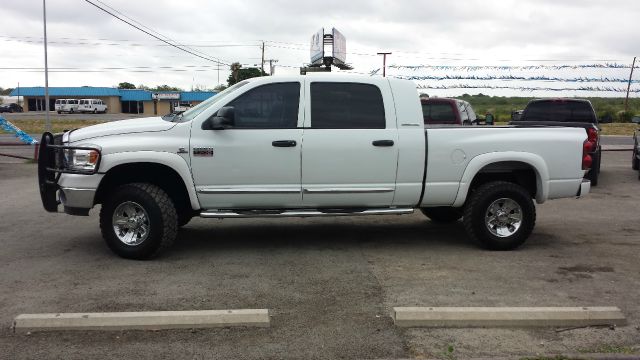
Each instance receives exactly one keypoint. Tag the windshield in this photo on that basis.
(196, 110)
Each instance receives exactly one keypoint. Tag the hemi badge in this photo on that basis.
(202, 151)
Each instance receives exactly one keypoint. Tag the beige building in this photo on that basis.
(135, 101)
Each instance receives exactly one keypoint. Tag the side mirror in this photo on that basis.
(223, 119)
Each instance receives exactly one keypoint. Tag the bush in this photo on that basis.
(623, 116)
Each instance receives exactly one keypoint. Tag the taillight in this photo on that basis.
(587, 161)
(592, 135)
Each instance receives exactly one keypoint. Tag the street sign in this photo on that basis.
(339, 46)
(317, 46)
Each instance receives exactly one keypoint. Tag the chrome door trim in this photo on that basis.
(210, 191)
(347, 190)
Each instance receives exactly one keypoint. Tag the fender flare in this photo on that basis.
(479, 162)
(171, 160)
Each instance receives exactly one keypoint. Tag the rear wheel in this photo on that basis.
(499, 215)
(138, 221)
(442, 214)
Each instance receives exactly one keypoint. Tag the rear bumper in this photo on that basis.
(585, 188)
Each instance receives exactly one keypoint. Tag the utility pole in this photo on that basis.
(271, 66)
(626, 100)
(262, 67)
(47, 125)
(384, 62)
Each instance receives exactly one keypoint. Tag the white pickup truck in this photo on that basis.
(307, 146)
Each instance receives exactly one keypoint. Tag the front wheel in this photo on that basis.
(499, 215)
(138, 221)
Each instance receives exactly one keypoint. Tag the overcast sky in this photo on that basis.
(87, 41)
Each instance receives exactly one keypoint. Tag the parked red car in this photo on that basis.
(447, 111)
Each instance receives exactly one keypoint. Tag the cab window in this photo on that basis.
(271, 106)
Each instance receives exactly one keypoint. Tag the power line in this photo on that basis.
(112, 43)
(153, 30)
(155, 36)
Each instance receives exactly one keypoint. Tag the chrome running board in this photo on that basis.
(221, 214)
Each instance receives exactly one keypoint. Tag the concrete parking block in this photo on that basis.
(145, 320)
(506, 316)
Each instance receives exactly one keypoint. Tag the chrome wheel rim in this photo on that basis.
(503, 217)
(131, 223)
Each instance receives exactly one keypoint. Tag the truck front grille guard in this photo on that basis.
(51, 166)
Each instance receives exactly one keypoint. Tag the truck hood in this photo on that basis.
(120, 127)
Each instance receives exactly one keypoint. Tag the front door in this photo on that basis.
(254, 163)
(350, 148)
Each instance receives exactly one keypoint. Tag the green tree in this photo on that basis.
(126, 85)
(220, 87)
(166, 88)
(238, 73)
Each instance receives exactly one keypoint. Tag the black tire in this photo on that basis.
(635, 163)
(442, 214)
(162, 220)
(95, 111)
(476, 209)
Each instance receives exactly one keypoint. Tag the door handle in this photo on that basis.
(382, 143)
(284, 143)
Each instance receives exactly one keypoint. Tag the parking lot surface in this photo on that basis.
(329, 283)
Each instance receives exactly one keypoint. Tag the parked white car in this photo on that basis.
(66, 105)
(302, 146)
(92, 105)
(182, 107)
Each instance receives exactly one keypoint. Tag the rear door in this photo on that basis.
(350, 145)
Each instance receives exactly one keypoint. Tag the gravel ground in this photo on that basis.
(329, 283)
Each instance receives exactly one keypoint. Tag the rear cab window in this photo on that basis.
(559, 111)
(336, 105)
(438, 112)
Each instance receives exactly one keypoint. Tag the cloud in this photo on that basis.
(453, 32)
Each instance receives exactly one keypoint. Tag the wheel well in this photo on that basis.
(516, 172)
(157, 174)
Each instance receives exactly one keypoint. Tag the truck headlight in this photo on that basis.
(81, 159)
